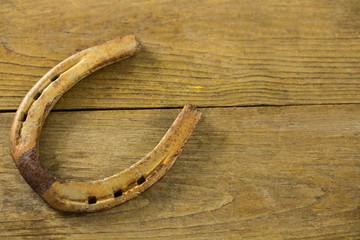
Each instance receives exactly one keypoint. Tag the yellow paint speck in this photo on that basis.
(196, 87)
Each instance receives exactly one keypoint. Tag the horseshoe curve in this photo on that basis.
(91, 196)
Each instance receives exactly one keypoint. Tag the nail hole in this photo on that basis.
(54, 78)
(140, 180)
(37, 96)
(23, 118)
(118, 193)
(92, 200)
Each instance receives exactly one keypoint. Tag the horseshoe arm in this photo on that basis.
(72, 196)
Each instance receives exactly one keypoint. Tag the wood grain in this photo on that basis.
(208, 53)
(249, 173)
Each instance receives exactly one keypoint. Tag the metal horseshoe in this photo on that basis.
(91, 196)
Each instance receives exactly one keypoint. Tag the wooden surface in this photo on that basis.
(250, 171)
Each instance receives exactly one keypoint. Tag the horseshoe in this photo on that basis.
(91, 196)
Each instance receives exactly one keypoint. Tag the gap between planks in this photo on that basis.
(201, 107)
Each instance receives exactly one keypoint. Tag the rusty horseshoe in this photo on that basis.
(91, 196)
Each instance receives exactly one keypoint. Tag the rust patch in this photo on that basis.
(48, 107)
(34, 174)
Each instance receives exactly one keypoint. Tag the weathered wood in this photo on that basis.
(249, 173)
(208, 53)
(253, 173)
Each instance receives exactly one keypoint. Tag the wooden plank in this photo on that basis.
(208, 53)
(249, 173)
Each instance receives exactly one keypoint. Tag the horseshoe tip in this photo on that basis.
(132, 41)
(192, 108)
